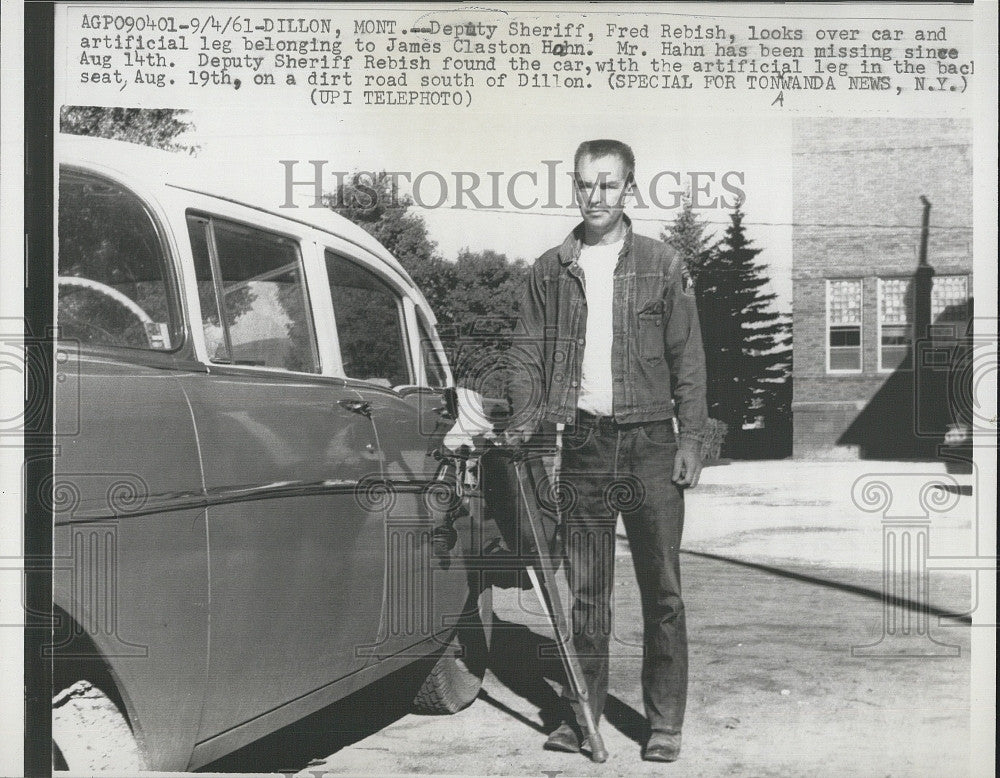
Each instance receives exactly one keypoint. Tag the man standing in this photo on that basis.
(611, 348)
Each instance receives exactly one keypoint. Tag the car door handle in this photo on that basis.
(357, 406)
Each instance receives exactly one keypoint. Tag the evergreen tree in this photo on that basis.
(747, 345)
(687, 235)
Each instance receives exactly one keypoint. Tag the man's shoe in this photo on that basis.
(565, 738)
(662, 747)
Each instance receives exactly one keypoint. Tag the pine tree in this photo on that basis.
(747, 345)
(687, 235)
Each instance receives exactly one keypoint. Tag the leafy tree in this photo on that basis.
(487, 288)
(157, 127)
(377, 205)
(747, 345)
(474, 298)
(483, 311)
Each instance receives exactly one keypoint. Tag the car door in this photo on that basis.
(380, 353)
(130, 559)
(296, 549)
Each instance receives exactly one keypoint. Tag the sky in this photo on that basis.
(756, 152)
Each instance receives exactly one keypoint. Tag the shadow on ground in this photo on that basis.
(776, 689)
(520, 659)
(316, 737)
(526, 663)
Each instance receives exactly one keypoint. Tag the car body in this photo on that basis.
(244, 434)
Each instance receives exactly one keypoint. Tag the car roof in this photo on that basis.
(158, 167)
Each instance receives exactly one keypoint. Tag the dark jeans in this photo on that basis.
(609, 469)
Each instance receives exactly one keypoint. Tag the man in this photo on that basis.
(611, 348)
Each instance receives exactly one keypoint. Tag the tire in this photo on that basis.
(457, 676)
(90, 734)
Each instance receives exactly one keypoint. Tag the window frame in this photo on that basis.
(830, 325)
(879, 325)
(404, 307)
(424, 323)
(178, 325)
(303, 248)
(968, 296)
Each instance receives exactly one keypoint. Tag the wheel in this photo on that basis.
(90, 734)
(457, 676)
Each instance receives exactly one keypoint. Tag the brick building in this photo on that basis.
(862, 300)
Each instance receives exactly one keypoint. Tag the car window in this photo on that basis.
(370, 325)
(434, 369)
(114, 275)
(254, 305)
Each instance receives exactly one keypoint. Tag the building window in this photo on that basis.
(843, 316)
(895, 324)
(949, 299)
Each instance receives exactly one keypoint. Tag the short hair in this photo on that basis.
(606, 147)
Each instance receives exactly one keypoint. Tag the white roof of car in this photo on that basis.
(157, 167)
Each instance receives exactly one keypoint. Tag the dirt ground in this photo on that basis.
(775, 689)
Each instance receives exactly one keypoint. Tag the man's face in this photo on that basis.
(601, 186)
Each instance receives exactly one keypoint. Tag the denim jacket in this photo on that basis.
(657, 360)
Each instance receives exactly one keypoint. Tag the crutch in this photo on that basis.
(543, 579)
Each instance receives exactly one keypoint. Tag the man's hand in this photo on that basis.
(687, 468)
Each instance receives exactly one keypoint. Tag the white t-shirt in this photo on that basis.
(598, 265)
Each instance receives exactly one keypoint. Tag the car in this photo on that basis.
(245, 488)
